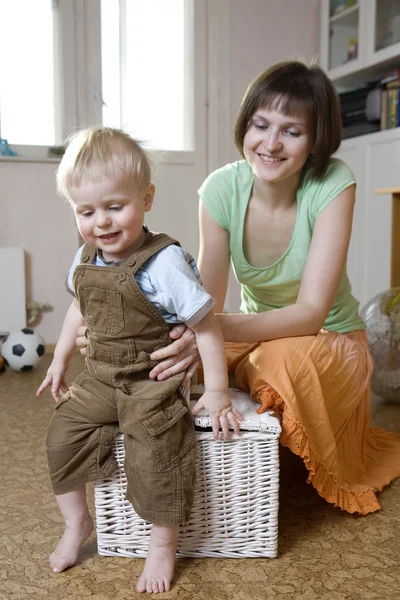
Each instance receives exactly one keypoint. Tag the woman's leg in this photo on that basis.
(320, 386)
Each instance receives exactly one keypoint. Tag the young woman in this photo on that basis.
(283, 216)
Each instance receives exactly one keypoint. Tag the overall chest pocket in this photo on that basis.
(102, 310)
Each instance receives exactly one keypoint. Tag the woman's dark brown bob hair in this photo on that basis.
(296, 89)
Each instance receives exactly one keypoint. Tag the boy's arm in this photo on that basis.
(63, 352)
(66, 345)
(216, 398)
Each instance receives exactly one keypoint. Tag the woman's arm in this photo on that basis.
(324, 266)
(321, 277)
(214, 268)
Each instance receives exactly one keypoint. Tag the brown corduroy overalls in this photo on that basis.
(114, 393)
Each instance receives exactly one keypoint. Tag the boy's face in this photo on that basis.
(110, 215)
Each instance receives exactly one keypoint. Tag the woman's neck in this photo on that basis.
(281, 194)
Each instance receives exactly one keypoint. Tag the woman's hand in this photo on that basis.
(181, 355)
(81, 340)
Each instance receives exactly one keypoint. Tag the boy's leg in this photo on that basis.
(79, 440)
(160, 562)
(78, 527)
(160, 451)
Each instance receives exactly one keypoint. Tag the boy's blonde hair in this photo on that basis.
(99, 153)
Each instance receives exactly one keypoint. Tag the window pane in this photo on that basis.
(110, 62)
(154, 98)
(27, 86)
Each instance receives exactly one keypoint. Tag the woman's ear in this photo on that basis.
(149, 197)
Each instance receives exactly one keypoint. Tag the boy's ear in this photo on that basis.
(149, 197)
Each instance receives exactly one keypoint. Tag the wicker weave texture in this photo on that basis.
(235, 511)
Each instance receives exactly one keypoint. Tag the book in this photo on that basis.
(393, 102)
(393, 84)
(393, 76)
(384, 109)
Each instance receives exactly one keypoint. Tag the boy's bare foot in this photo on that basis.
(160, 562)
(67, 551)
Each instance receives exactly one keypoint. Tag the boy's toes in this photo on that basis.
(160, 585)
(152, 585)
(141, 584)
(60, 563)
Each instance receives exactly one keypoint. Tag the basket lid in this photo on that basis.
(267, 421)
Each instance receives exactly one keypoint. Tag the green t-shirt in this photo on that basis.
(226, 193)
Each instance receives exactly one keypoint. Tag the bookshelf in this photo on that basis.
(360, 40)
(360, 46)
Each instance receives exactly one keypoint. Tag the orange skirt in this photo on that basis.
(320, 386)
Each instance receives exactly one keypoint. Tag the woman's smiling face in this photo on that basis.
(276, 145)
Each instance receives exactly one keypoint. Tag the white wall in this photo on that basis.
(262, 33)
(258, 33)
(34, 218)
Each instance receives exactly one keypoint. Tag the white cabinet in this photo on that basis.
(375, 161)
(360, 39)
(360, 42)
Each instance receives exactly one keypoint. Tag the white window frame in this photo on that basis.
(79, 46)
(79, 70)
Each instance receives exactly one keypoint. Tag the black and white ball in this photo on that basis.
(23, 349)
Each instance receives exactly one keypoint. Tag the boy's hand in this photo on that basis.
(221, 411)
(55, 378)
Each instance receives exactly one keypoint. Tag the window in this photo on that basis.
(68, 64)
(29, 112)
(147, 70)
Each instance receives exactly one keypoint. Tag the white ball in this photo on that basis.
(23, 349)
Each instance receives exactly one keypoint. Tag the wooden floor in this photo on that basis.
(323, 552)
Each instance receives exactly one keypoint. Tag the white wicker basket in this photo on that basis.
(235, 511)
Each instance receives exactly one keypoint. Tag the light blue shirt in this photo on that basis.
(170, 280)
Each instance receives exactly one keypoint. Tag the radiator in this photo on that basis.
(12, 290)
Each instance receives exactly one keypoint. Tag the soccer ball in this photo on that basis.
(23, 349)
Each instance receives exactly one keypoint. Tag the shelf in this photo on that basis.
(360, 27)
(346, 16)
(387, 191)
(30, 159)
(345, 74)
(386, 135)
(355, 74)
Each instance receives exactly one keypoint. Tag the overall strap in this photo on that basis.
(154, 242)
(88, 254)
